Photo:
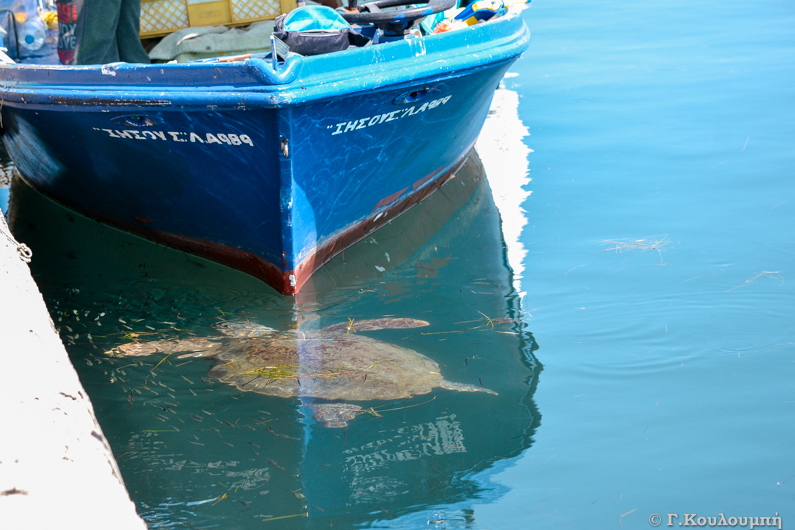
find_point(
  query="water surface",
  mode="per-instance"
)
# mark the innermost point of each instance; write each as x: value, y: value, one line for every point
x: 669, y: 362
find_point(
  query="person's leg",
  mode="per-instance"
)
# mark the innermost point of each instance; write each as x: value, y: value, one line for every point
x: 128, y: 33
x: 96, y: 43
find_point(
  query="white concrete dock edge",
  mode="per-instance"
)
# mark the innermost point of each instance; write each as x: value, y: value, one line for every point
x: 56, y: 468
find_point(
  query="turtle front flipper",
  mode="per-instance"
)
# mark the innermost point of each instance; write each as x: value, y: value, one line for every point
x: 460, y: 387
x: 334, y: 415
x: 243, y: 329
x: 200, y: 347
x: 375, y: 324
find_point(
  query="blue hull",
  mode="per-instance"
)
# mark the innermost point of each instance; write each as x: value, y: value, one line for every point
x: 270, y: 172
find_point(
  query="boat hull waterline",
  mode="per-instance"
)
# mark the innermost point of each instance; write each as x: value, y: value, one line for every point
x: 272, y: 172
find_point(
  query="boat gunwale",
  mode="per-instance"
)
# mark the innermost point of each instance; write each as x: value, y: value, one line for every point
x: 65, y: 100
x: 317, y: 77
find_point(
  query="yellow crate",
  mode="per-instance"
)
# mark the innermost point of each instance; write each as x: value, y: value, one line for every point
x: 160, y: 17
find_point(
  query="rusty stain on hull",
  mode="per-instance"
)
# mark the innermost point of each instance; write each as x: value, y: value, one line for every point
x: 286, y: 282
x: 70, y: 100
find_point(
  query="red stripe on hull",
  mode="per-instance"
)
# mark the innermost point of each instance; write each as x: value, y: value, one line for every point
x: 286, y: 282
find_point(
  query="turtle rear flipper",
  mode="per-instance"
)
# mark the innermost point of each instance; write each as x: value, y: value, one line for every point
x: 375, y: 324
x: 334, y: 415
x: 460, y: 387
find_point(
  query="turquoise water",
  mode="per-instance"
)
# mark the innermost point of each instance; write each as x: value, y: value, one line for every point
x: 667, y: 383
x: 655, y: 289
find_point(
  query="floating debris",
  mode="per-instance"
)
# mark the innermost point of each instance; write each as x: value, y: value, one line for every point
x: 773, y: 275
x: 222, y: 497
x: 620, y: 245
x: 270, y: 518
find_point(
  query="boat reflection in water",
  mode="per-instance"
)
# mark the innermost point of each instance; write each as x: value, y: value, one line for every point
x: 193, y: 450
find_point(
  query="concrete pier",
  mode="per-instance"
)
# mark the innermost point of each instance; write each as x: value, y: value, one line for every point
x: 56, y: 467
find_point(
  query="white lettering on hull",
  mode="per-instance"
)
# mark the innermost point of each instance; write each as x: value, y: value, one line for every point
x: 355, y: 125
x: 172, y: 136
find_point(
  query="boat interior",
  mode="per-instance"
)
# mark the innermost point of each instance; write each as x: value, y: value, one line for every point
x: 178, y: 31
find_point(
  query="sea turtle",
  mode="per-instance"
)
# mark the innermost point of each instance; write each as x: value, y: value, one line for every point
x: 334, y: 364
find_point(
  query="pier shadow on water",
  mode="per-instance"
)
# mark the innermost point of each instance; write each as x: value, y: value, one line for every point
x: 195, y: 452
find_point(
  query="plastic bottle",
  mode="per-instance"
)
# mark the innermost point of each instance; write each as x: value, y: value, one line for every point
x: 32, y: 33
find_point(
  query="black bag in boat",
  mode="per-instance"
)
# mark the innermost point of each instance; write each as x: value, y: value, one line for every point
x: 315, y: 30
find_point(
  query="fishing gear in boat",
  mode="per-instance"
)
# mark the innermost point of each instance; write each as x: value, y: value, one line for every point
x: 396, y: 23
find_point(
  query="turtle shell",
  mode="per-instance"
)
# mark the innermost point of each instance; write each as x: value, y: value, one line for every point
x: 333, y: 367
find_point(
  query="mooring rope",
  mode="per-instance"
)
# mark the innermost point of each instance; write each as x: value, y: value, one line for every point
x: 25, y: 254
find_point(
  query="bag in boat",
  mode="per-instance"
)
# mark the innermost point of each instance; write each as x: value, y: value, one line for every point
x: 315, y: 30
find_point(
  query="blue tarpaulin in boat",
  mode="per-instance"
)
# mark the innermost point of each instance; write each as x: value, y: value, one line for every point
x: 317, y: 30
x: 314, y: 18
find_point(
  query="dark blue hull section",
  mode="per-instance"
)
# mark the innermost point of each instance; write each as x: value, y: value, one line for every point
x: 273, y: 176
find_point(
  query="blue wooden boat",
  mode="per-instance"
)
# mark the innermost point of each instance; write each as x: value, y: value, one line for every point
x: 271, y: 167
